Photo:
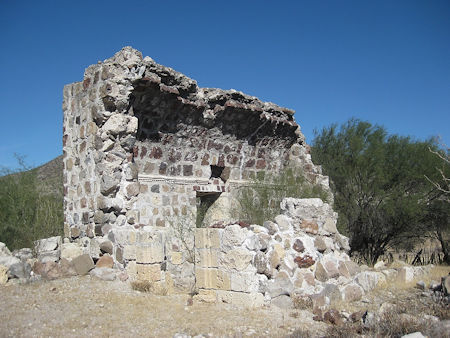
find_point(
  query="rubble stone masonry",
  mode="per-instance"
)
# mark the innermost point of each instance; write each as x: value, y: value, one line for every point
x: 144, y: 147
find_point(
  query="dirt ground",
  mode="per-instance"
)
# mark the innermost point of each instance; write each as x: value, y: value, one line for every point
x: 86, y: 307
x: 81, y: 306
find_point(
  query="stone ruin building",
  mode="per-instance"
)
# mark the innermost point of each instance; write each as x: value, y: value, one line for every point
x: 145, y: 148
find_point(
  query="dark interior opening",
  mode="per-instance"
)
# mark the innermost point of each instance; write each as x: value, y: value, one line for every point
x: 216, y: 171
x: 204, y: 202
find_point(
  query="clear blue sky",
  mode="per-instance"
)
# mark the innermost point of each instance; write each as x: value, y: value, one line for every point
x: 387, y: 62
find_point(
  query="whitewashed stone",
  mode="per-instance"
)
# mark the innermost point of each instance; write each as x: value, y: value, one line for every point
x: 330, y: 226
x: 245, y: 282
x: 236, y: 259
x: 48, y: 244
x: 233, y: 235
x: 8, y: 260
x: 4, y: 251
x: 406, y: 274
x: 280, y: 285
x: 106, y: 274
x: 284, y: 223
x: 70, y: 250
x: 368, y: 280
x: 352, y: 292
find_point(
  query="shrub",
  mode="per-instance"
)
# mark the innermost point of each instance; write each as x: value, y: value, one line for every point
x: 260, y: 200
x: 25, y: 214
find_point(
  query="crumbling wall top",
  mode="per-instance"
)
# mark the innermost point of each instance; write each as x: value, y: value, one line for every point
x: 128, y: 67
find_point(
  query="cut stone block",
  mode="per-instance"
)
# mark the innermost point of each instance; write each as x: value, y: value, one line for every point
x: 150, y: 253
x: 207, y: 238
x: 148, y: 272
x: 212, y: 279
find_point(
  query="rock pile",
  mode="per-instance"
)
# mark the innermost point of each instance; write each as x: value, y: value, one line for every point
x: 299, y: 256
x: 54, y: 259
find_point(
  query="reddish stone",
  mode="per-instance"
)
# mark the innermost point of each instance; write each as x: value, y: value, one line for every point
x: 135, y: 151
x: 156, y: 153
x: 243, y: 224
x: 106, y: 261
x: 221, y: 161
x: 304, y: 262
x: 226, y: 149
x: 174, y: 156
x: 232, y: 159
x: 205, y: 159
x: 250, y: 163
x: 86, y: 83
x: 260, y: 164
x: 143, y: 152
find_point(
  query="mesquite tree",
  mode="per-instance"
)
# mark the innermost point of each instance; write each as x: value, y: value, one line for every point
x: 379, y: 184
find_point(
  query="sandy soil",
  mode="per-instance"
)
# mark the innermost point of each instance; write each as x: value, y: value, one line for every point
x: 81, y: 306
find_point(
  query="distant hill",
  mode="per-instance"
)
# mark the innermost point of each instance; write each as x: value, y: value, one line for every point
x: 50, y: 177
x: 31, y: 204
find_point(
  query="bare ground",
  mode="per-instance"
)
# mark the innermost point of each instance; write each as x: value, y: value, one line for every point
x: 81, y: 306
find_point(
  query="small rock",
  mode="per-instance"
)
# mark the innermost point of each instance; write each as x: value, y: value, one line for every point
x: 283, y: 302
x: 83, y: 264
x: 47, y: 270
x: 280, y: 285
x: 20, y: 270
x: 106, y: 274
x: 298, y: 245
x: 9, y: 260
x: 320, y: 273
x: 357, y: 316
x: 106, y: 261
x: 420, y: 285
x: 304, y: 262
x: 309, y: 226
x: 4, y: 251
x: 48, y: 244
x: 333, y: 317
x: 414, y: 335
x: 123, y: 276
x: 271, y: 227
x: 67, y: 268
x: 330, y: 226
x: 284, y: 223
x: 320, y: 244
x: 71, y: 250
x: 379, y: 265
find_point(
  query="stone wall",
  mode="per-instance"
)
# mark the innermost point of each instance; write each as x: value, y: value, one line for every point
x: 300, y: 253
x: 144, y: 147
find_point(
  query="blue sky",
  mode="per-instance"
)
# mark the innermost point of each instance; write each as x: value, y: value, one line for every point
x: 387, y: 62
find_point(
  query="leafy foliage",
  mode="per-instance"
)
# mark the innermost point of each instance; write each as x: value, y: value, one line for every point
x: 25, y: 214
x: 260, y: 200
x: 378, y: 181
